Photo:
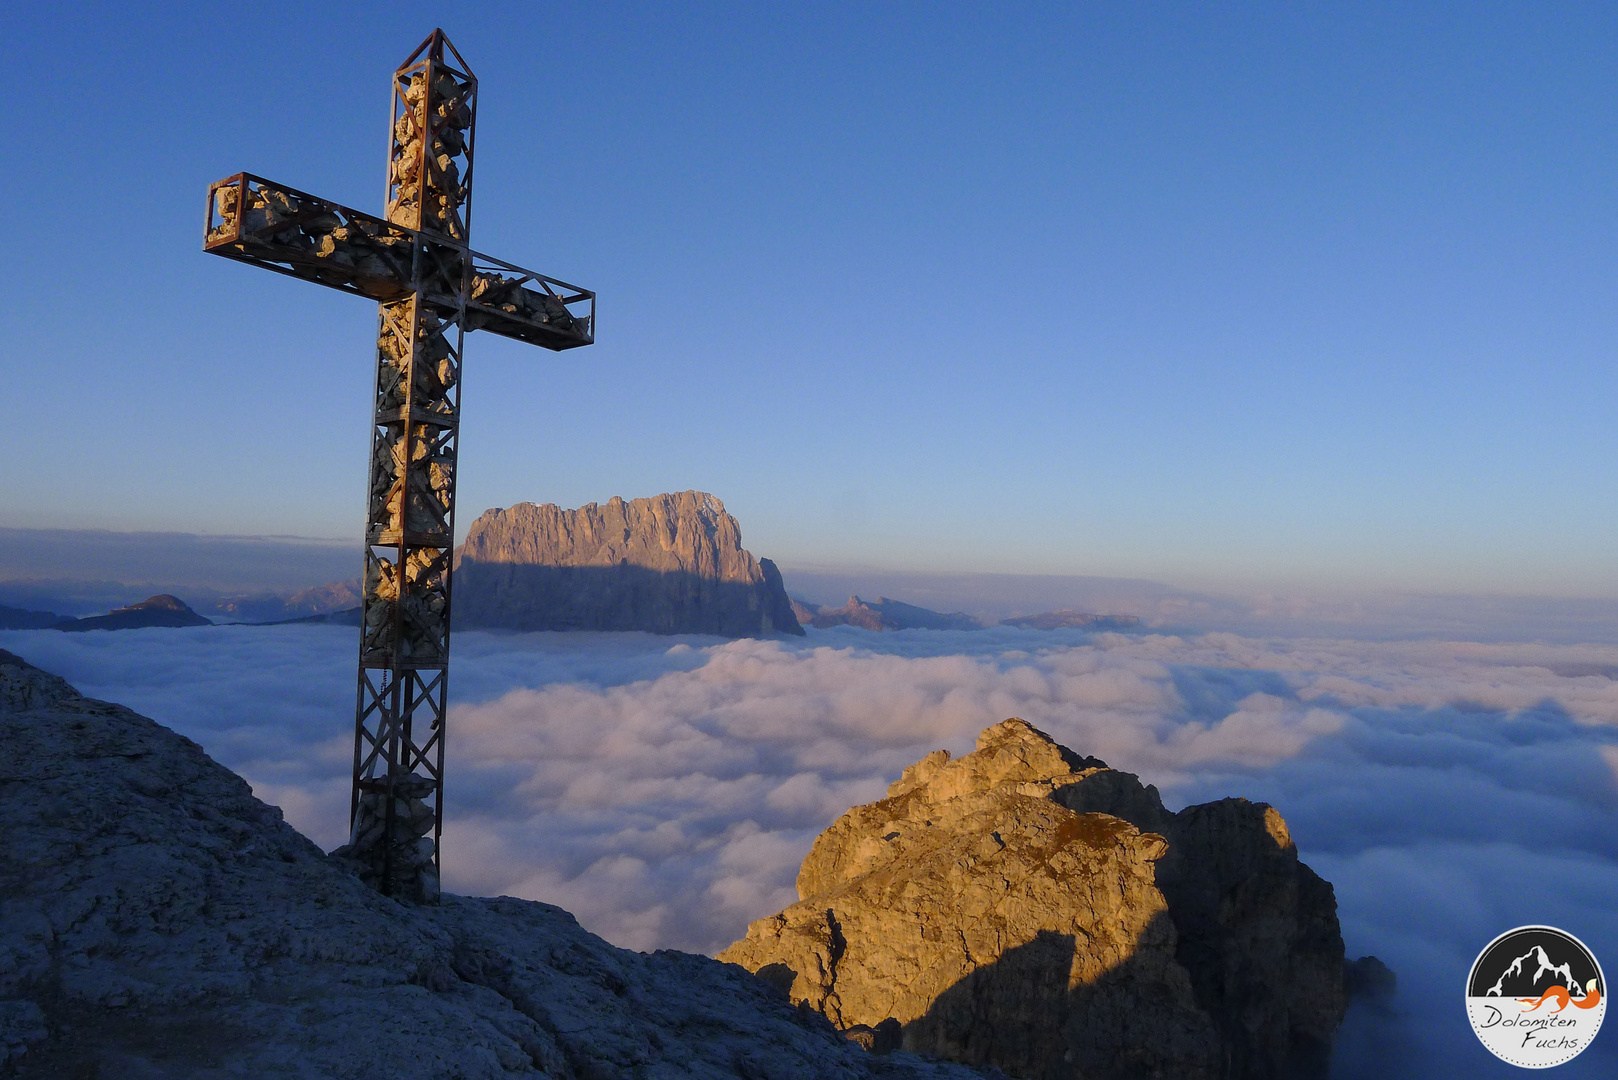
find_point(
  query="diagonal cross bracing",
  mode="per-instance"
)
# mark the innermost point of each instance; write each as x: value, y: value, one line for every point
x: 431, y: 289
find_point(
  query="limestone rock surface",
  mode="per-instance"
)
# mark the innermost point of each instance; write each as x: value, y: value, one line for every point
x: 1031, y: 909
x: 156, y: 920
x: 669, y: 564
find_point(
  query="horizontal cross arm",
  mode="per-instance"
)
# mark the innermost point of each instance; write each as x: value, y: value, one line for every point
x: 507, y: 300
x: 255, y: 221
x: 279, y: 228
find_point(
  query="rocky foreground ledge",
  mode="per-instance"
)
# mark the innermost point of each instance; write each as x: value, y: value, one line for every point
x: 1028, y: 908
x: 156, y: 920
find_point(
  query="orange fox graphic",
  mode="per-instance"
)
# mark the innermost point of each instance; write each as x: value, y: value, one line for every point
x: 1559, y: 994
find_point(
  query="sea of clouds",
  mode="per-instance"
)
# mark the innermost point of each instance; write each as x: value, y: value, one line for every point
x: 665, y: 789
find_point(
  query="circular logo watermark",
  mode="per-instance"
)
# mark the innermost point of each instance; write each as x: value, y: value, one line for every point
x: 1536, y: 996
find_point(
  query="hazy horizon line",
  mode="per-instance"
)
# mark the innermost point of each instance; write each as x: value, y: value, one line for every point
x: 32, y: 565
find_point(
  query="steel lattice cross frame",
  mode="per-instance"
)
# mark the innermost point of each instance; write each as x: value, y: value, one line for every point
x: 432, y: 288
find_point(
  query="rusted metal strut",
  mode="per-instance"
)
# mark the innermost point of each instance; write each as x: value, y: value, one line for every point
x: 432, y: 288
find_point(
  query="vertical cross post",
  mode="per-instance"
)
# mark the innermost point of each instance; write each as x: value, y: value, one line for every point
x: 396, y: 807
x: 432, y: 288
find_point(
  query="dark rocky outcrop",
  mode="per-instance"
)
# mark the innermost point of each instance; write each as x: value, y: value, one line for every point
x: 884, y: 614
x: 159, y: 610
x: 1368, y: 979
x: 670, y: 564
x: 156, y: 920
x: 1028, y: 908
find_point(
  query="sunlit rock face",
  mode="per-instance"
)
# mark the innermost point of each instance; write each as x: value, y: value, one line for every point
x: 669, y: 564
x: 157, y: 920
x: 1032, y: 909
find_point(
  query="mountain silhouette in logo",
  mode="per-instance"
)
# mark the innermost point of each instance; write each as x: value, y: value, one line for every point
x: 1515, y: 980
x: 1527, y: 963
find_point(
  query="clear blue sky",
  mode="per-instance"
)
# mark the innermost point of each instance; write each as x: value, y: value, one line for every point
x: 1211, y: 294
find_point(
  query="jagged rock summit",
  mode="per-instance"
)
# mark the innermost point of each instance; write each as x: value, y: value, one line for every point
x: 1031, y: 909
x: 156, y: 920
x: 669, y: 564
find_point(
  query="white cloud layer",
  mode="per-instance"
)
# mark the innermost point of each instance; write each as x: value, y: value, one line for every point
x: 665, y: 789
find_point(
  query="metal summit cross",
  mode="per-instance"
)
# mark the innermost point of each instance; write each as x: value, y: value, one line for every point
x: 432, y: 288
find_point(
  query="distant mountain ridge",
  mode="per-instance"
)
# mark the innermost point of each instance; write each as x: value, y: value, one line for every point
x: 75, y: 572
x: 667, y: 564
x: 154, y: 611
x: 15, y: 618
x: 159, y: 610
x: 38, y: 604
x: 884, y: 613
x: 1067, y: 618
x: 303, y: 605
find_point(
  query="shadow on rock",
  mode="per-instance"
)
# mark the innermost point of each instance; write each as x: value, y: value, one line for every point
x: 1023, y: 1014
